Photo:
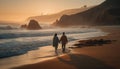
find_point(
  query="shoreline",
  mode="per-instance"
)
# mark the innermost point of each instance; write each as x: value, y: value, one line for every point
x: 94, y: 57
x: 19, y: 46
x: 107, y: 53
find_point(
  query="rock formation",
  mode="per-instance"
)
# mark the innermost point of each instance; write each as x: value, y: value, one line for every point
x: 23, y: 26
x: 33, y: 25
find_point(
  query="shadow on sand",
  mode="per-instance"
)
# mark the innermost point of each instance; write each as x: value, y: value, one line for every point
x: 58, y: 53
x: 84, y: 62
x: 78, y: 61
x: 95, y: 42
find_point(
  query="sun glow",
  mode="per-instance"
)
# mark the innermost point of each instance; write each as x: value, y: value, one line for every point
x: 20, y: 10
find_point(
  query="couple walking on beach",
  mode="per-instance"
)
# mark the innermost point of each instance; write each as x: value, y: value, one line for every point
x: 63, y: 41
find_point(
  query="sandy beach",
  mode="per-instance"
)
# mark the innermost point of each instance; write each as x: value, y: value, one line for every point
x: 105, y: 56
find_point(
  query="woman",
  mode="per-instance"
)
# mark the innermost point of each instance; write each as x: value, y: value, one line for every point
x: 55, y: 42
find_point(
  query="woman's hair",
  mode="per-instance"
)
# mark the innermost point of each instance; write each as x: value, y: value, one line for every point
x: 55, y: 34
x: 63, y: 33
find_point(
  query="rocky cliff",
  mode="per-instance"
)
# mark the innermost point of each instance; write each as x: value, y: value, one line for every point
x: 52, y: 17
x: 107, y: 13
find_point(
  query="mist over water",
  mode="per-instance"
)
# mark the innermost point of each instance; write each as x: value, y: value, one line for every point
x: 17, y: 41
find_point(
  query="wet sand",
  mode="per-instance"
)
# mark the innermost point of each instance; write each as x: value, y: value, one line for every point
x: 105, y: 56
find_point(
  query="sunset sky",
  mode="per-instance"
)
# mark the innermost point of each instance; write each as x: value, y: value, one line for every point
x: 19, y: 10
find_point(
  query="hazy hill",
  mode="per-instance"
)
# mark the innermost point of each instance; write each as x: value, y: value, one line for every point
x: 9, y: 23
x: 51, y: 18
x: 107, y: 13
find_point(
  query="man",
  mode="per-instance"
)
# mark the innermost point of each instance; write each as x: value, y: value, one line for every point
x: 64, y: 41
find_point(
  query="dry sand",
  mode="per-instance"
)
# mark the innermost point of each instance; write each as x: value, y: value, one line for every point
x: 94, y: 57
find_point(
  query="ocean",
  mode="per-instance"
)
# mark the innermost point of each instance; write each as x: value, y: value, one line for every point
x: 19, y: 41
x: 20, y: 46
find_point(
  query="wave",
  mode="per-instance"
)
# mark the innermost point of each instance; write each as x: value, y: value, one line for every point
x: 21, y: 41
x: 26, y: 33
x: 7, y: 27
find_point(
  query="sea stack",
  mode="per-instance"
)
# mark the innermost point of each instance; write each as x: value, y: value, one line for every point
x: 23, y: 26
x: 33, y: 25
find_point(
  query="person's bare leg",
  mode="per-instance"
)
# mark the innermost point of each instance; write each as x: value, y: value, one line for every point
x: 64, y: 47
x: 56, y: 49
